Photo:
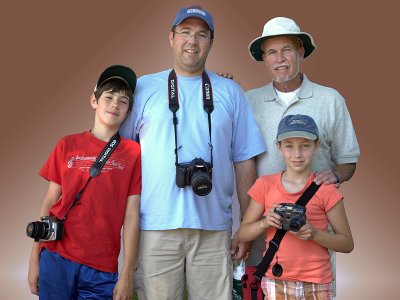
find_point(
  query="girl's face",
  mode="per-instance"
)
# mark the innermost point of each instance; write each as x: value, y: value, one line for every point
x: 298, y: 153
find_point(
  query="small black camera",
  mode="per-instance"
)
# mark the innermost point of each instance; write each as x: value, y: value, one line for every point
x: 197, y: 173
x: 49, y: 229
x: 293, y: 216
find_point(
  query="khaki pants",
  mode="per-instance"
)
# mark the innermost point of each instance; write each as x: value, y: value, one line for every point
x: 169, y: 259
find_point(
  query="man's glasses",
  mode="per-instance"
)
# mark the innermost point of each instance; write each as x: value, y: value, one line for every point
x: 187, y: 35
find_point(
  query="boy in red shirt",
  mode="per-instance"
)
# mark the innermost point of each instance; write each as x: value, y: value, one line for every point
x: 303, y: 255
x: 84, y: 262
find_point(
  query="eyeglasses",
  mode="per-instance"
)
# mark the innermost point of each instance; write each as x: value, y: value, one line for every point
x: 187, y: 35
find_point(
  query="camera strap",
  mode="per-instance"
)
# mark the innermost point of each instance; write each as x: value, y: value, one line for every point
x: 174, y: 106
x: 274, y: 243
x: 97, y: 166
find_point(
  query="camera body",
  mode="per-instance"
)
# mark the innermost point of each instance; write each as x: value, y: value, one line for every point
x: 49, y: 229
x: 197, y: 174
x: 293, y: 216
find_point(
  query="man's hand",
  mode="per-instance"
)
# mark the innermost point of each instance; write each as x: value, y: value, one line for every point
x: 225, y: 75
x: 240, y: 250
x: 327, y: 177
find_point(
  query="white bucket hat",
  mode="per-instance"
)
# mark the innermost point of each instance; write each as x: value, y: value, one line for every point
x: 281, y: 26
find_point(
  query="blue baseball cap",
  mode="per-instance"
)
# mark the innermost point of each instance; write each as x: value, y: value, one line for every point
x: 194, y: 12
x: 297, y: 126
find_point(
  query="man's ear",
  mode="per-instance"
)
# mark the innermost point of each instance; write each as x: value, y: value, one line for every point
x: 171, y: 38
x: 93, y: 101
x: 302, y: 51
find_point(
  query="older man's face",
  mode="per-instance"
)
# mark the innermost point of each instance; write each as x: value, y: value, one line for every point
x: 282, y: 57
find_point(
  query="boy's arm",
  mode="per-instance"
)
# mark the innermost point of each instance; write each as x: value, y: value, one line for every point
x: 340, y: 241
x: 52, y: 195
x: 124, y: 287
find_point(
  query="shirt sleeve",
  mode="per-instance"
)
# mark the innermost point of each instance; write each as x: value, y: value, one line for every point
x: 257, y: 192
x: 135, y: 187
x: 51, y: 170
x: 329, y: 196
x: 247, y: 139
x: 345, y: 148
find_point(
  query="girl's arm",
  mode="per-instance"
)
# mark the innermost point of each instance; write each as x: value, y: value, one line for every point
x: 251, y: 226
x: 340, y: 241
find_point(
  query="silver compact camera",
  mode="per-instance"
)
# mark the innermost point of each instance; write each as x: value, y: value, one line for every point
x: 293, y: 216
x: 48, y: 229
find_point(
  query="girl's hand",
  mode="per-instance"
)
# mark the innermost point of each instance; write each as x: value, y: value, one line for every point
x: 272, y: 218
x: 307, y: 232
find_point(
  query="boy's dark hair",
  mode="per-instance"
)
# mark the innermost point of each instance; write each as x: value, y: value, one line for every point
x: 115, y: 85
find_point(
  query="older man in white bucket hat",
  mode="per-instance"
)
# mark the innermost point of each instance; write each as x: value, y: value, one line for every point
x: 283, y: 46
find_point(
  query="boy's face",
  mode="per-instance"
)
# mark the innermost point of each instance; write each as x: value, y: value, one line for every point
x: 111, y: 108
x: 298, y: 153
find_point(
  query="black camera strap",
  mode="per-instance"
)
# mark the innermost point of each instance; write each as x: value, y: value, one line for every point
x: 174, y: 106
x: 97, y: 166
x: 274, y: 243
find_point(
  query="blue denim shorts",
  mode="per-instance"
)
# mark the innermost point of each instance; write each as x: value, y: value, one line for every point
x: 63, y: 279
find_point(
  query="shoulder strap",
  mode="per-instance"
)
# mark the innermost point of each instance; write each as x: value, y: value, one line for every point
x: 97, y: 166
x: 274, y: 243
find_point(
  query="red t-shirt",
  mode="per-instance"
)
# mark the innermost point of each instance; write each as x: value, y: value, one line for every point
x: 301, y: 260
x: 93, y: 225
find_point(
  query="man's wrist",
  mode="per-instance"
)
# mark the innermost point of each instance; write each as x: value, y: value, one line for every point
x: 337, y: 177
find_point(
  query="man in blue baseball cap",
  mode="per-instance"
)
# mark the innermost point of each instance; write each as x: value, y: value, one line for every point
x: 198, y: 136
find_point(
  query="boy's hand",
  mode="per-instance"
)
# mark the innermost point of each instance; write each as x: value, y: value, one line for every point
x: 123, y: 289
x: 33, y: 276
x: 307, y: 232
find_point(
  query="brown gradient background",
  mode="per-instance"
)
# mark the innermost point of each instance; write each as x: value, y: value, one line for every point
x: 53, y: 51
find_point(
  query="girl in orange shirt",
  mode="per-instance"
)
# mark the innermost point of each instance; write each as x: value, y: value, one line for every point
x: 303, y: 255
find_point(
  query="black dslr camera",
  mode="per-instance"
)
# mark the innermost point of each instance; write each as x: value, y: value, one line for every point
x: 50, y: 229
x: 293, y: 216
x: 197, y: 173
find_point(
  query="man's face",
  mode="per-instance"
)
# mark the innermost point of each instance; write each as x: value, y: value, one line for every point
x: 282, y: 57
x: 190, y: 44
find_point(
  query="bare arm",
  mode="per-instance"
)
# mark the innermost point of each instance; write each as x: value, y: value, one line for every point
x: 340, y: 241
x: 343, y: 172
x: 245, y: 173
x: 52, y: 195
x: 124, y: 288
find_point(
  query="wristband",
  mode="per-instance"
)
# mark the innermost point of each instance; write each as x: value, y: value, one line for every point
x: 337, y: 177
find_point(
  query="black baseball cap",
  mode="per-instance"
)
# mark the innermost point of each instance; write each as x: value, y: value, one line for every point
x: 121, y: 72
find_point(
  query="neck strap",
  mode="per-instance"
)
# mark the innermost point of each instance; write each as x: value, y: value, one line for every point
x: 173, y: 101
x: 97, y: 166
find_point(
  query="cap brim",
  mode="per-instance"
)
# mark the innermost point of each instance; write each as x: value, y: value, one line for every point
x: 297, y: 134
x: 256, y: 52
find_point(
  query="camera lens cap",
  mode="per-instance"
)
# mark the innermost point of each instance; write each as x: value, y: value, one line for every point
x: 277, y: 270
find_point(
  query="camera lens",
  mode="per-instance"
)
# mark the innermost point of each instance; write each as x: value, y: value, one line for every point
x: 37, y: 230
x: 295, y: 225
x: 201, y: 183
